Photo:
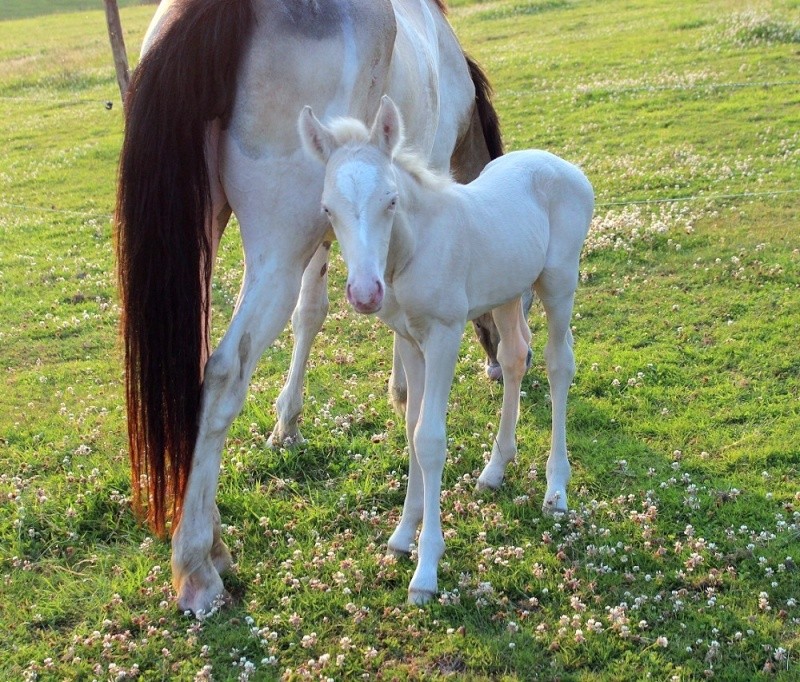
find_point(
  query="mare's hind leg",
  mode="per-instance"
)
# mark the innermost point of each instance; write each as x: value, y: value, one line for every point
x: 264, y: 306
x: 489, y: 336
x: 398, y: 382
x: 307, y: 319
x: 512, y: 353
x: 556, y: 289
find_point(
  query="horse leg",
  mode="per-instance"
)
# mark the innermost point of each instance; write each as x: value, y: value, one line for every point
x: 261, y: 313
x: 512, y: 353
x: 398, y: 382
x: 440, y: 350
x: 487, y: 334
x: 307, y: 319
x: 410, y: 357
x: 556, y: 289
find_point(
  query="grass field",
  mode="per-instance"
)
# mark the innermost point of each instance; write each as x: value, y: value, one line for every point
x: 679, y: 559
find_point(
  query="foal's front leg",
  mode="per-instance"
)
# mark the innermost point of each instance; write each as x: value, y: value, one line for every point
x: 307, y: 319
x: 440, y: 350
x: 410, y: 357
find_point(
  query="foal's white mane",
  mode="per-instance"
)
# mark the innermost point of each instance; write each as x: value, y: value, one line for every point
x: 350, y: 132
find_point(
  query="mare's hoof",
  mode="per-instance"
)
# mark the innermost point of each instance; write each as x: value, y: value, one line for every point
x: 494, y: 371
x: 398, y: 400
x: 202, y: 600
x: 221, y: 558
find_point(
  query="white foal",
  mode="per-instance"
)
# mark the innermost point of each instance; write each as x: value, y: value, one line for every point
x: 428, y: 254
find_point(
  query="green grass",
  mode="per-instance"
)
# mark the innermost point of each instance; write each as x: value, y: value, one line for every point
x: 680, y: 558
x: 21, y: 9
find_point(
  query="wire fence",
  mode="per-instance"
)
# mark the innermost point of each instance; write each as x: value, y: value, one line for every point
x: 579, y: 90
x: 109, y: 104
x: 710, y: 198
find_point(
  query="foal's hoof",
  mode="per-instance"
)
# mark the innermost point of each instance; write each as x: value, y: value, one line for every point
x: 277, y: 439
x: 400, y: 543
x: 420, y: 597
x: 555, y: 503
x: 494, y: 371
x: 399, y: 552
x: 490, y: 479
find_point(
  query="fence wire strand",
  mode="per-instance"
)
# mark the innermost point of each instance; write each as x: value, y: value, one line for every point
x: 109, y: 104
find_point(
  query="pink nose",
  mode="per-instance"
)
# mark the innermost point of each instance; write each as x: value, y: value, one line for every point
x: 367, y: 298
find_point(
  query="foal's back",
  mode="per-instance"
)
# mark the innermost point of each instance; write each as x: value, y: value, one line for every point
x: 528, y: 210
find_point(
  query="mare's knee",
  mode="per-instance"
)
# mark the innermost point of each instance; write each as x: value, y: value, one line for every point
x: 224, y: 385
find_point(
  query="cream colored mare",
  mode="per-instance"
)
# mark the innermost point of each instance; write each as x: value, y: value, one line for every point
x: 427, y: 255
x: 340, y: 56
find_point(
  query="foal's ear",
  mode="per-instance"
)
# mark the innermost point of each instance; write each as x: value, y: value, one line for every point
x: 387, y: 131
x: 316, y: 138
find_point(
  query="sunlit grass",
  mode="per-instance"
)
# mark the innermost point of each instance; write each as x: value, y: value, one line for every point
x: 679, y: 558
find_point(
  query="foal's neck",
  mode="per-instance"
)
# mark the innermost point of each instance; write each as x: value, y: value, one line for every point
x: 417, y: 205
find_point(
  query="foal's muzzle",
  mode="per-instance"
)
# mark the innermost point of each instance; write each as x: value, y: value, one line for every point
x: 366, y: 298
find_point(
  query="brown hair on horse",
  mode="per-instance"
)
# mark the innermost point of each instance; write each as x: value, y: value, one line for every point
x: 174, y: 93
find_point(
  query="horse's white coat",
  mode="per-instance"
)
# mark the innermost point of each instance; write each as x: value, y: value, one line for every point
x: 359, y: 182
x: 448, y: 254
x: 347, y: 82
x: 340, y: 62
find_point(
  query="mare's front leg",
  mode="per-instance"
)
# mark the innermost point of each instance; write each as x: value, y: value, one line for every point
x: 268, y: 295
x: 513, y: 356
x: 440, y: 351
x: 307, y: 319
x: 556, y: 289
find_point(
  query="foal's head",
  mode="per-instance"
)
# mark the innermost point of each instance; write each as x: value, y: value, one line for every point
x: 360, y: 193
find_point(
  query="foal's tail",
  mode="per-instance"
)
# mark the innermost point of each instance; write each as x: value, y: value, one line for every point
x: 185, y: 80
x: 490, y: 124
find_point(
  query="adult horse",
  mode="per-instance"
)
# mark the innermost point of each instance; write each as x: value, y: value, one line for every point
x: 211, y: 130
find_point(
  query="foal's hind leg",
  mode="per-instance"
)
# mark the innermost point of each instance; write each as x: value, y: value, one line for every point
x: 307, y: 319
x: 512, y: 353
x: 556, y: 289
x: 264, y: 306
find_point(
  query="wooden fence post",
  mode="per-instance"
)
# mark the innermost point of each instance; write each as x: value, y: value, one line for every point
x: 118, y: 47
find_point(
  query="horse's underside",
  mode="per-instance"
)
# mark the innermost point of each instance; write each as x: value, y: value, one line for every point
x: 211, y: 128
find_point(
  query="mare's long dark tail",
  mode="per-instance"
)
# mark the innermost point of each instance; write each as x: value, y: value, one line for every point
x: 490, y: 124
x: 185, y: 80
